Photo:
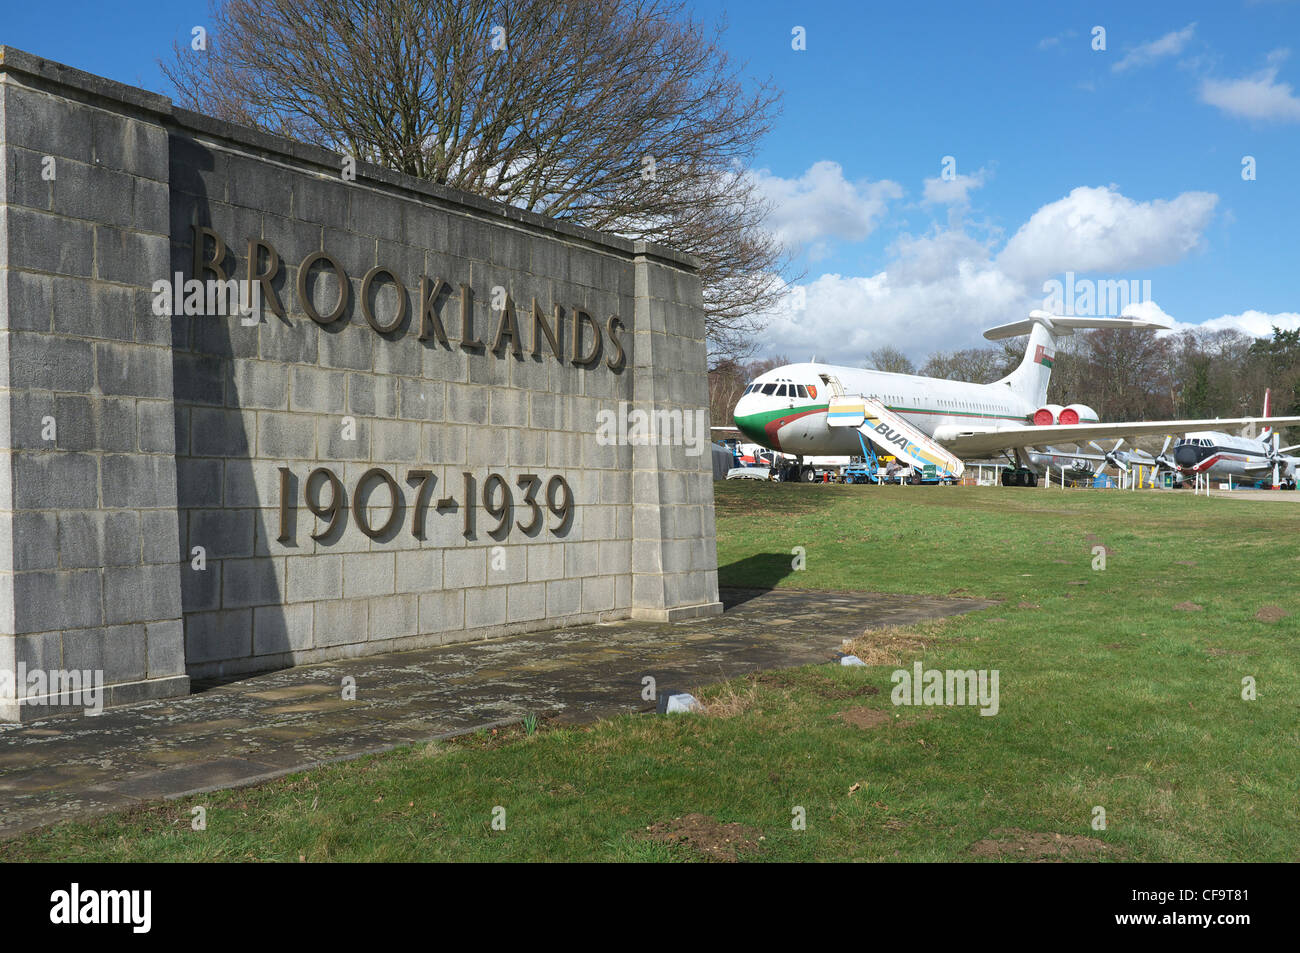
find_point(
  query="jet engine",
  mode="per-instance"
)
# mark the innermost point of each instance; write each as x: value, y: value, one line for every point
x: 1047, y: 415
x: 1077, y: 414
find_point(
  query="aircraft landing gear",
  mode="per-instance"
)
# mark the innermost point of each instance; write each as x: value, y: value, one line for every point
x: 1020, y: 476
x: 807, y: 475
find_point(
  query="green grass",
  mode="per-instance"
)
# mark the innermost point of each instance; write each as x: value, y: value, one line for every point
x: 1109, y: 697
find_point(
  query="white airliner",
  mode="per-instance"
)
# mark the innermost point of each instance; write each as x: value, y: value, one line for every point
x: 1243, y: 459
x: 822, y: 409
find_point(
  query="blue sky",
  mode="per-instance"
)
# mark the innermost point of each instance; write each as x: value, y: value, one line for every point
x: 1115, y: 164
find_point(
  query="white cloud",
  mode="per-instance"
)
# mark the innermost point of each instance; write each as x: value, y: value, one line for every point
x: 1259, y: 96
x: 1258, y: 324
x: 1148, y: 311
x: 845, y: 318
x: 1171, y: 44
x: 1050, y: 42
x: 954, y: 191
x: 822, y: 204
x: 1098, y: 229
x: 941, y: 291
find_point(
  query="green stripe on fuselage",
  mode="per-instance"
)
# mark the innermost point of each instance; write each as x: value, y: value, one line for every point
x: 754, y: 426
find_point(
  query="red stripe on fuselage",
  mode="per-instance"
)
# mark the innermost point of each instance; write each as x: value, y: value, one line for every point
x: 772, y: 427
x: 1211, y: 461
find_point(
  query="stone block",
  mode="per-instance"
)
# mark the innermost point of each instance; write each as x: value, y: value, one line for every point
x: 142, y: 593
x: 279, y: 629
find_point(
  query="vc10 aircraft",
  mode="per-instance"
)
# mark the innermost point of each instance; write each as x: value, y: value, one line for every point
x: 821, y: 409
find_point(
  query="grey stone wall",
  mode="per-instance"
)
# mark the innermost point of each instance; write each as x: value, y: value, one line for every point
x: 88, y: 551
x: 147, y: 540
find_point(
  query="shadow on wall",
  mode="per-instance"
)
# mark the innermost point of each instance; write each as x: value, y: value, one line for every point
x: 230, y: 588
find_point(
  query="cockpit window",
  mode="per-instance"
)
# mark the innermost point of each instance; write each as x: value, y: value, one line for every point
x: 769, y: 388
x: 803, y: 392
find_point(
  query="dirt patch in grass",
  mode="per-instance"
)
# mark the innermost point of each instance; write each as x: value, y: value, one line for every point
x: 1040, y: 846
x: 837, y: 692
x: 865, y: 717
x: 705, y: 835
x: 1188, y: 607
x: 1092, y: 540
x: 1270, y: 614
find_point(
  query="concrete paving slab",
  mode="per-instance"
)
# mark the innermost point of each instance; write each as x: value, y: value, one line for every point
x: 277, y: 723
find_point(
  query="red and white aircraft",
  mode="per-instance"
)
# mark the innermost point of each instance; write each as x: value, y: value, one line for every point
x: 1241, y: 458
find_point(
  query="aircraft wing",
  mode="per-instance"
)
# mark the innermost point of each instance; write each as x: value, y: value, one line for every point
x: 1011, y: 438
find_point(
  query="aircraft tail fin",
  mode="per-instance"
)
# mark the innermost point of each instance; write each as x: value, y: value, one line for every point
x: 1029, y: 380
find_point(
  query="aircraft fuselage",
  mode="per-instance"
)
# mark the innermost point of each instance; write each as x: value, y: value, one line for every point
x: 785, y: 408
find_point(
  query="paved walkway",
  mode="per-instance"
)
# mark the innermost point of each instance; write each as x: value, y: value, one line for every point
x: 273, y: 724
x: 1257, y: 496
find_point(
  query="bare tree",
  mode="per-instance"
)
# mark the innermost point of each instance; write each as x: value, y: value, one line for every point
x: 726, y: 383
x: 1128, y: 374
x: 890, y: 359
x: 622, y: 115
x: 978, y: 364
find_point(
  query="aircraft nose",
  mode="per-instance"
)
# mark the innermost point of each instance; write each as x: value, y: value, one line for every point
x: 746, y: 419
x: 1187, y: 456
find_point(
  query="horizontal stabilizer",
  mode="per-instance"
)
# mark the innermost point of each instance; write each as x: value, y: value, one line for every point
x: 1061, y: 325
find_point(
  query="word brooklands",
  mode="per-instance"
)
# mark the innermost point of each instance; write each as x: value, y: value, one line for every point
x: 951, y: 687
x: 571, y: 335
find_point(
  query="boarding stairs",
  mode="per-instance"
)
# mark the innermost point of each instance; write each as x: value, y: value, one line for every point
x: 892, y: 434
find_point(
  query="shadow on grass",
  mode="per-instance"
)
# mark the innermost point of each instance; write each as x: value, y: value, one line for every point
x: 761, y: 571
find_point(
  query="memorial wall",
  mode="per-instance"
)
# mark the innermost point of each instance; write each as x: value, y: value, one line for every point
x: 264, y: 405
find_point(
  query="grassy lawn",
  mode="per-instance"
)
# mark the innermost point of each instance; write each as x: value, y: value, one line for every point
x: 1114, y: 693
